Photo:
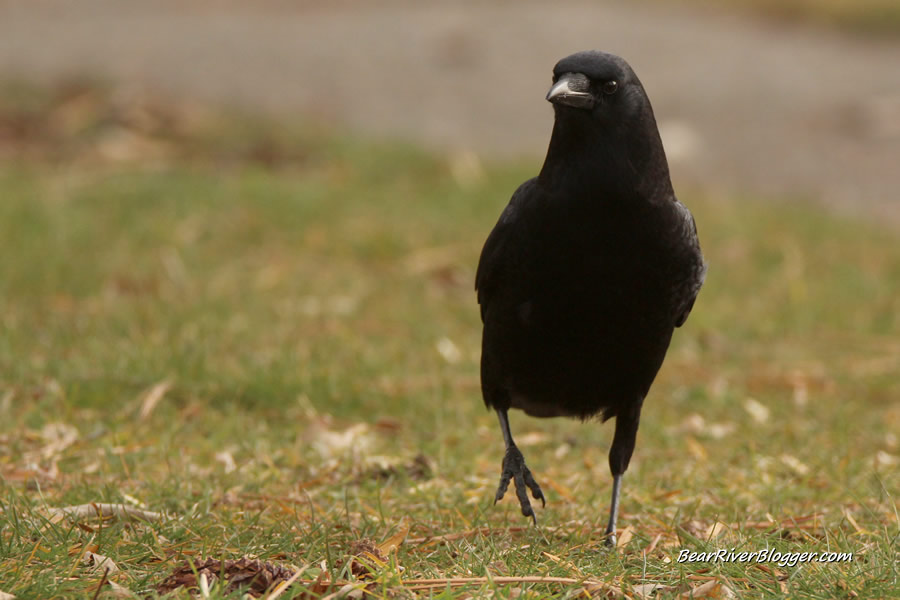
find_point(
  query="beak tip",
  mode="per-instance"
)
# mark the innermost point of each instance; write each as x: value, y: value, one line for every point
x: 570, y: 89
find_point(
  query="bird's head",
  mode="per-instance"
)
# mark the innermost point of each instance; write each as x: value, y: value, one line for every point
x: 604, y: 128
x: 597, y: 84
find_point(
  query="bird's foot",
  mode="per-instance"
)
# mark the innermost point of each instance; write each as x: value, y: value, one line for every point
x: 514, y: 468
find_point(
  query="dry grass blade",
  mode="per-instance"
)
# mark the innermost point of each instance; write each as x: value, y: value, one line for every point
x: 561, y: 561
x: 152, y: 398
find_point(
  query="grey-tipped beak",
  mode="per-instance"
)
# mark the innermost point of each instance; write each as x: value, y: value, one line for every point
x: 572, y: 89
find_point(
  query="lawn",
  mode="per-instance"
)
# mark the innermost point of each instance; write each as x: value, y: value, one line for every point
x: 263, y: 340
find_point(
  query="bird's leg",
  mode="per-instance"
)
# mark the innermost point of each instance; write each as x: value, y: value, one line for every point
x: 619, y: 457
x: 613, y: 511
x: 514, y: 468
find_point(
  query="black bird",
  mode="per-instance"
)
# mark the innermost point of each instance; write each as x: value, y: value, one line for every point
x: 590, y: 268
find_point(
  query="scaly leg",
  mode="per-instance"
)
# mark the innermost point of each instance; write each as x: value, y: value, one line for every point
x: 619, y: 457
x: 514, y: 468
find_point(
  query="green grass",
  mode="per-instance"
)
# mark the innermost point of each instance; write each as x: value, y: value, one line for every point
x: 285, y: 304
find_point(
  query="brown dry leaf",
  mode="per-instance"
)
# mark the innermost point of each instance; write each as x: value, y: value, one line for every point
x: 283, y: 587
x: 388, y: 425
x: 695, y: 528
x: 392, y: 543
x: 99, y: 563
x: 597, y: 589
x: 364, y: 554
x: 355, y: 440
x: 695, y: 448
x: 794, y: 463
x: 652, y: 545
x: 532, y: 438
x: 645, y: 590
x: 254, y: 577
x: 119, y: 591
x: 152, y: 398
x: 757, y: 410
x: 709, y: 589
x: 58, y: 437
x: 625, y: 537
x: 715, y: 530
x: 227, y: 459
x: 5, y: 596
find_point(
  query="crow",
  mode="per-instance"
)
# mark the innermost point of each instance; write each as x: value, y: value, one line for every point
x: 590, y: 268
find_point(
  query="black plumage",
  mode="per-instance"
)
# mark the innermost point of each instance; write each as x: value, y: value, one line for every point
x: 588, y: 271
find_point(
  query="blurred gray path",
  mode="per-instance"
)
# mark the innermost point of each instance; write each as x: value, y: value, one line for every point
x: 746, y: 105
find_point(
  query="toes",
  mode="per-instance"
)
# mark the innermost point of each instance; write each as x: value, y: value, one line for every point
x: 522, y: 495
x: 536, y: 492
x: 505, y: 477
x: 514, y: 469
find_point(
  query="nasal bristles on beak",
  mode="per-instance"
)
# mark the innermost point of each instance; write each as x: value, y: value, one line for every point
x: 571, y: 89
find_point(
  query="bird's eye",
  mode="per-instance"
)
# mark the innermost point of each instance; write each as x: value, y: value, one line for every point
x: 610, y: 87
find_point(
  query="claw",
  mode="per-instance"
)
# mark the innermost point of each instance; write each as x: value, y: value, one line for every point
x: 514, y: 469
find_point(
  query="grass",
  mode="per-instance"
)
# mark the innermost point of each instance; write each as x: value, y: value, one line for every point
x: 878, y: 17
x: 282, y: 357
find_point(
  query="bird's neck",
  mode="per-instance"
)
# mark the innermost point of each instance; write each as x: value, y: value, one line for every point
x: 613, y: 165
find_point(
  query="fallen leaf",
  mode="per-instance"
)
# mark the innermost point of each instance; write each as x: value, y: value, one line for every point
x: 119, y: 591
x: 253, y: 577
x: 884, y: 459
x: 364, y: 554
x: 715, y: 530
x: 757, y: 411
x: 795, y: 465
x: 98, y: 562
x: 695, y: 448
x: 625, y: 537
x: 532, y: 438
x: 356, y: 439
x: 709, y: 589
x: 58, y: 437
x: 645, y: 590
x: 227, y: 460
x: 392, y: 543
x: 84, y: 511
x: 448, y: 350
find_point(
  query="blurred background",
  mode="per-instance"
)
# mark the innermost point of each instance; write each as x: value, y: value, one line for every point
x: 237, y: 251
x: 797, y: 98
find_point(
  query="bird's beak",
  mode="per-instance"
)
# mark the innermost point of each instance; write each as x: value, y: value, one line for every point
x: 572, y: 89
